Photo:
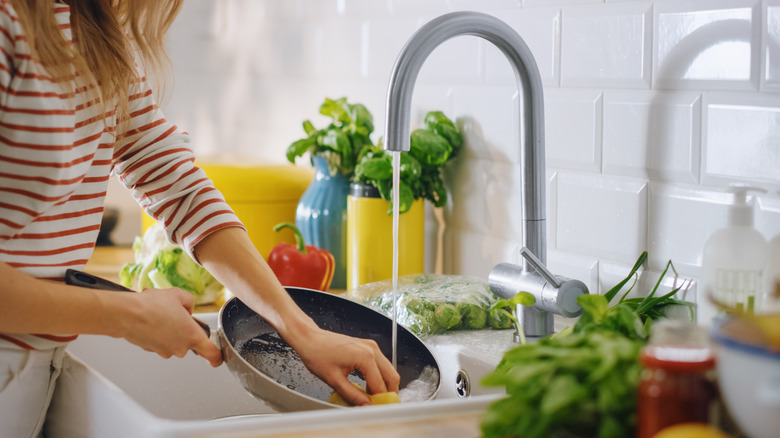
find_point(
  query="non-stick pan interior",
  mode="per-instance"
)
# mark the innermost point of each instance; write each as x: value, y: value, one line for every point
x: 259, y: 344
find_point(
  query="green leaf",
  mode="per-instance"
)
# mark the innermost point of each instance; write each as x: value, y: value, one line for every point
x: 410, y: 167
x: 336, y: 110
x: 648, y: 299
x: 300, y: 147
x: 374, y: 169
x: 361, y: 117
x: 429, y: 148
x: 594, y: 305
x: 308, y: 128
x: 639, y: 262
x: 563, y: 391
x: 523, y: 299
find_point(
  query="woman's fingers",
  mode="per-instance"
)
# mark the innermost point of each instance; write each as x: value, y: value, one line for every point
x: 375, y: 383
x: 379, y: 372
x: 207, y: 350
x: 349, y: 392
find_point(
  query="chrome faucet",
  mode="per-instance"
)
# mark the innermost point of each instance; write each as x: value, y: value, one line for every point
x: 554, y: 294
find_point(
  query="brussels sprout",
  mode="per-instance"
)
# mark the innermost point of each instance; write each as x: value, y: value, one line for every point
x: 447, y: 315
x: 473, y: 316
x: 415, y: 306
x: 500, y: 319
x: 423, y: 323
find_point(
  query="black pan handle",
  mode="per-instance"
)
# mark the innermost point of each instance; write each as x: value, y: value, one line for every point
x: 82, y: 279
x: 74, y: 277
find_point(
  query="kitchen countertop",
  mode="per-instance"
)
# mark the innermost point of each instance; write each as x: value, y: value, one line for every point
x: 460, y: 425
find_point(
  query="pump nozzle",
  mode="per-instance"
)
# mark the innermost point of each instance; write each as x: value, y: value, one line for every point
x: 741, y: 212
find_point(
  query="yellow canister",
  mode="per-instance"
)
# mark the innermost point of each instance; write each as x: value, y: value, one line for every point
x: 370, y: 237
x: 261, y: 196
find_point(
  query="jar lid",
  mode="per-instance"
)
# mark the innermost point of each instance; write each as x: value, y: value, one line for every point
x: 363, y: 190
x: 677, y: 345
x: 678, y: 358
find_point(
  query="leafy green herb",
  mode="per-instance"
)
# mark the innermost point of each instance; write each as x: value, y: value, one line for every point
x: 346, y: 145
x: 430, y: 149
x: 506, y: 310
x: 582, y: 381
x: 342, y: 141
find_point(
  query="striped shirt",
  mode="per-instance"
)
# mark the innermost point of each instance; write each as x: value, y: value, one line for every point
x: 57, y: 152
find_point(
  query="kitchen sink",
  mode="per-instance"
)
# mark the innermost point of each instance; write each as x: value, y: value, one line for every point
x: 113, y: 388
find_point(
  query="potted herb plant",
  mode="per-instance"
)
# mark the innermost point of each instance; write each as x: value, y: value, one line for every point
x: 334, y: 149
x: 343, y: 152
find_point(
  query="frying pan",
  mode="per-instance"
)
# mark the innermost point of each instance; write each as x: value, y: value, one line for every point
x: 272, y: 371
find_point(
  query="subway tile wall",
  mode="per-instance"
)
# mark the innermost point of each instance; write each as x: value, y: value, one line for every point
x: 653, y: 108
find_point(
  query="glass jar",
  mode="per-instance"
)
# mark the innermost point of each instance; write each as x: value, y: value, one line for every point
x: 678, y: 380
x: 370, y: 237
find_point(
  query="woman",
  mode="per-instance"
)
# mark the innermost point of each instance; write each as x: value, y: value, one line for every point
x: 75, y: 108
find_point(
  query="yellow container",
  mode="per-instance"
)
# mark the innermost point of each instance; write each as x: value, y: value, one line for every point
x: 261, y: 196
x: 370, y: 239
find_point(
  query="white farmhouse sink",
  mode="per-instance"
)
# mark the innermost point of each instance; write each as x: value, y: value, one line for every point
x: 113, y: 388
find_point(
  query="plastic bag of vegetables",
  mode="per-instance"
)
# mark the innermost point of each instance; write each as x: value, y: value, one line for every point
x: 160, y: 264
x: 431, y: 304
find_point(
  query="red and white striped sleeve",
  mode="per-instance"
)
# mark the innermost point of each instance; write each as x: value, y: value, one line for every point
x: 154, y: 160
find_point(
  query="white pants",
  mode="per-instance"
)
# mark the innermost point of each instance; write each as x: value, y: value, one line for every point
x: 27, y: 380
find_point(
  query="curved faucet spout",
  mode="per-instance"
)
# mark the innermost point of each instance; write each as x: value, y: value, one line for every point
x: 399, y: 102
x: 531, y: 114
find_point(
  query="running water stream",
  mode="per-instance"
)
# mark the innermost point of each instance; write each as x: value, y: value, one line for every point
x: 396, y: 203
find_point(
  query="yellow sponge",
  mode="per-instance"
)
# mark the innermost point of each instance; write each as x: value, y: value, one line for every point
x: 382, y: 398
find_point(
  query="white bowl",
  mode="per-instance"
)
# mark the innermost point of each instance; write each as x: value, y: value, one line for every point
x: 749, y: 379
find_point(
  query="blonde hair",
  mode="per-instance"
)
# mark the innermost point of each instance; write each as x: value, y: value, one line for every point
x: 109, y: 37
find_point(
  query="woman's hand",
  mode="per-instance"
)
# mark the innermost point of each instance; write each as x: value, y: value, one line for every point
x: 332, y: 357
x: 232, y: 258
x: 161, y: 322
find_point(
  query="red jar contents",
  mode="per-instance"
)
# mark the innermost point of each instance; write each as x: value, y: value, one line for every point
x: 678, y: 381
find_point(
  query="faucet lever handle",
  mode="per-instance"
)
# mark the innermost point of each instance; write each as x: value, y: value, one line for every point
x: 539, y: 266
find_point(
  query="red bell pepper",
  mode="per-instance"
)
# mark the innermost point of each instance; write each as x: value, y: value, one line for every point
x: 301, y: 265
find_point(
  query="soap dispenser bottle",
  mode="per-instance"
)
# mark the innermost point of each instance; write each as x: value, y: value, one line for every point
x: 733, y: 261
x: 770, y: 300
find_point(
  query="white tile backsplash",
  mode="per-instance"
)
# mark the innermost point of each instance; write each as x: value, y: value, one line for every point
x: 606, y: 46
x: 680, y: 220
x: 652, y: 134
x: 386, y: 37
x: 573, y: 128
x: 707, y: 44
x: 491, y: 121
x: 601, y: 216
x: 742, y: 139
x: 768, y: 214
x: 458, y: 59
x: 651, y: 107
x: 540, y: 28
x: 770, y: 39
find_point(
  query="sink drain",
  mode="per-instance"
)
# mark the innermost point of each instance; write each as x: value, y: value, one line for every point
x: 462, y: 386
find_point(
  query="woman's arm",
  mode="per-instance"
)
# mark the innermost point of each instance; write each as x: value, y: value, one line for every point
x: 231, y: 257
x: 158, y: 321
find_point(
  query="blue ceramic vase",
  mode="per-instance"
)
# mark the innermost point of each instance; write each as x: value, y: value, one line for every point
x: 322, y: 217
